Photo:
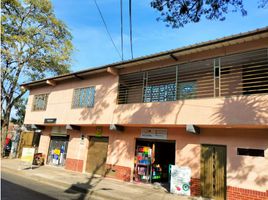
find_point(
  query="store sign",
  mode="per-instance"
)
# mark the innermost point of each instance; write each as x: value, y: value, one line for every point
x: 180, y: 180
x: 50, y: 120
x: 58, y: 131
x: 154, y: 133
x: 27, y: 154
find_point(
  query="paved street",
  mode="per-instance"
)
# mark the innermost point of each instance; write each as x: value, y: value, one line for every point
x: 48, y: 182
x: 15, y: 187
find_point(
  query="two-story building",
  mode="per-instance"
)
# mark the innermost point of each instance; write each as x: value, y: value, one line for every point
x: 203, y: 106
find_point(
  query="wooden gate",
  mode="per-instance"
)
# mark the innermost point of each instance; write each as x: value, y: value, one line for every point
x: 97, y: 155
x: 26, y: 140
x: 213, y: 172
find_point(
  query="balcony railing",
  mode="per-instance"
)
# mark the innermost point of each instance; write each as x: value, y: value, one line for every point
x: 238, y: 74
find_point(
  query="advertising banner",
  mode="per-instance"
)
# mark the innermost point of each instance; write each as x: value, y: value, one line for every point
x: 27, y: 154
x: 180, y: 180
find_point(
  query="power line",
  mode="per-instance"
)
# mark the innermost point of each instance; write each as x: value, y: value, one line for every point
x: 130, y: 28
x: 122, y: 38
x: 107, y: 29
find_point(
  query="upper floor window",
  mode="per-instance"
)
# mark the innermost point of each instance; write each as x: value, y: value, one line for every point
x: 40, y: 102
x: 160, y: 93
x: 83, y: 97
x: 187, y: 90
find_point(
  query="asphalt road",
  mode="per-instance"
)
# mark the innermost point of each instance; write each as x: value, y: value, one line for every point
x: 17, y: 187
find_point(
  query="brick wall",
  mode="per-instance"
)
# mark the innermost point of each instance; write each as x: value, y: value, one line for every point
x: 195, y: 187
x: 74, y: 164
x: 118, y: 172
x: 234, y: 193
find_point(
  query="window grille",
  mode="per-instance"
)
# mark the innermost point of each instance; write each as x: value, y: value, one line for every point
x: 83, y: 97
x: 40, y: 102
x: 238, y: 74
x: 245, y: 73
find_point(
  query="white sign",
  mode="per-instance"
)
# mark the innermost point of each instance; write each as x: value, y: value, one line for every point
x: 180, y: 180
x: 153, y: 133
x: 27, y: 154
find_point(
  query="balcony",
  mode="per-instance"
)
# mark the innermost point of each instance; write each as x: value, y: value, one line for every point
x: 238, y: 74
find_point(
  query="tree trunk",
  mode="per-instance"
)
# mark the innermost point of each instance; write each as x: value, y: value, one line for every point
x: 4, y: 127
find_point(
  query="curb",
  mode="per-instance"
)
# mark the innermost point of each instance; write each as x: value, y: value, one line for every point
x: 75, y: 188
x: 45, y: 180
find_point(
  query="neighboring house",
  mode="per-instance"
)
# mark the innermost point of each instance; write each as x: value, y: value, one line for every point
x: 203, y: 106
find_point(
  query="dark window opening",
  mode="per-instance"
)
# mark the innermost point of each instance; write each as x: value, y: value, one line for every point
x: 36, y: 139
x: 250, y: 152
x: 217, y: 72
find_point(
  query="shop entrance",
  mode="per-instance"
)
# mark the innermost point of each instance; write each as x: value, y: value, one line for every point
x: 57, y: 150
x: 152, y: 160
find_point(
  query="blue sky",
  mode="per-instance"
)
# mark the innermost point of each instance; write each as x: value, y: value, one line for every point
x: 93, y: 47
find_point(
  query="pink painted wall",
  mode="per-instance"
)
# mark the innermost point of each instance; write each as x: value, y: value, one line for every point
x: 60, y: 102
x: 207, y: 111
x: 242, y: 171
x: 44, y: 142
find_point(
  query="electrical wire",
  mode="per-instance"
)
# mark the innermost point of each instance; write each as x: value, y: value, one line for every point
x: 122, y: 38
x: 130, y: 28
x: 97, y: 6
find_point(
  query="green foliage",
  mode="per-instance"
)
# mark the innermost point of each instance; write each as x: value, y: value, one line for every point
x: 177, y: 13
x: 20, y: 108
x: 34, y: 44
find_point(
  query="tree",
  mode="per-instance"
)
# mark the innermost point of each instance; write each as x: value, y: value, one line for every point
x: 34, y: 44
x: 20, y: 109
x: 177, y: 13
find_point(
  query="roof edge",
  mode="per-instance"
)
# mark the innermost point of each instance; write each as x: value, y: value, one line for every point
x: 152, y: 56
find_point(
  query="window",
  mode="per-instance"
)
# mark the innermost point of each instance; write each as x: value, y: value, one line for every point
x: 250, y: 152
x: 187, y: 90
x: 84, y: 97
x: 160, y: 93
x: 40, y: 102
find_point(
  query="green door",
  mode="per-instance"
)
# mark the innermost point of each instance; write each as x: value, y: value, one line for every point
x: 213, y: 171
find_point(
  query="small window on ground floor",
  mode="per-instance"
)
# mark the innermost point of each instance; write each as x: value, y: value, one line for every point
x: 250, y: 152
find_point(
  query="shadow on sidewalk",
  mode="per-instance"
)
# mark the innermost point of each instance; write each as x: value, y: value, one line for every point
x: 86, y: 188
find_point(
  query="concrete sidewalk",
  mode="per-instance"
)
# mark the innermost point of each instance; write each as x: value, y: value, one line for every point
x: 90, y: 186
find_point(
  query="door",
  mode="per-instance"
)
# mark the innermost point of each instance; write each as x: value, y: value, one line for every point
x: 57, y: 150
x: 97, y: 155
x: 213, y: 171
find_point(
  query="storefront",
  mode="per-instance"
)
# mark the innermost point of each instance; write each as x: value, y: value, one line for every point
x: 154, y: 154
x: 58, y: 146
x: 153, y: 159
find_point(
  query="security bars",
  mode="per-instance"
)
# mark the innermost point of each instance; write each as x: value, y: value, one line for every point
x: 83, y: 97
x: 40, y: 102
x: 238, y: 74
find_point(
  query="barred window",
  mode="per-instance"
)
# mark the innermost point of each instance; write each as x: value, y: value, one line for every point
x: 159, y: 93
x: 40, y: 102
x: 83, y: 97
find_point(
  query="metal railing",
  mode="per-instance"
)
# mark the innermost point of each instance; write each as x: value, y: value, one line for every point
x: 238, y: 74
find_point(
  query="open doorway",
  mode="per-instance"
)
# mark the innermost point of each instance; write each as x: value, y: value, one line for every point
x: 152, y: 160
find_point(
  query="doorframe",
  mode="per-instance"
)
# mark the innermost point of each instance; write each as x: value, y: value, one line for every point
x: 152, y: 141
x: 225, y: 167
